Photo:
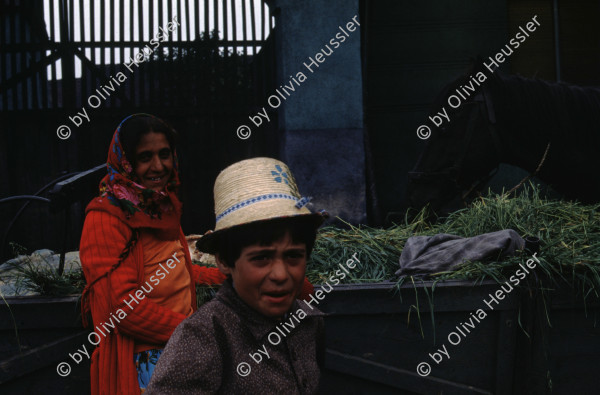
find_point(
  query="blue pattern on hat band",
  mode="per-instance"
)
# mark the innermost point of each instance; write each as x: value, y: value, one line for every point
x: 303, y: 202
x: 262, y: 198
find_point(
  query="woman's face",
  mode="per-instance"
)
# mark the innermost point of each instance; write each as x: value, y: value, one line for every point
x: 153, y: 161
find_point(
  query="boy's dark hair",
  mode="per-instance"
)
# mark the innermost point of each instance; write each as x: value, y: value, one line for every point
x: 302, y: 229
x: 134, y: 128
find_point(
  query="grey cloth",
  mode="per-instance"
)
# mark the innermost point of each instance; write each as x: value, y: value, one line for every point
x: 442, y: 252
x: 205, y: 352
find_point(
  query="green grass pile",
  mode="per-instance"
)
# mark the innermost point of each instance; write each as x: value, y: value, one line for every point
x: 569, y: 233
x: 36, y: 274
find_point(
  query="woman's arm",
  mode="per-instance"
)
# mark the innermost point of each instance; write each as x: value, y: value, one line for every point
x: 103, y: 239
x: 203, y: 275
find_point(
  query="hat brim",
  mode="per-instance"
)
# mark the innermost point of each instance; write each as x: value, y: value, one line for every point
x: 209, y: 242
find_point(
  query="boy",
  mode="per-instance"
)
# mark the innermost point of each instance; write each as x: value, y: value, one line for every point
x: 254, y: 337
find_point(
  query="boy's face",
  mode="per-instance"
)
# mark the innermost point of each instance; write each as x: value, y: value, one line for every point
x: 269, y: 278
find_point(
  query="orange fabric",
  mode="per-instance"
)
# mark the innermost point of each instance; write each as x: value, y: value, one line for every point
x: 103, y: 239
x: 165, y: 277
x: 166, y: 259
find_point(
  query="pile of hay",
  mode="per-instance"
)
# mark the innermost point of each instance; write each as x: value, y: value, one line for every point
x: 569, y: 234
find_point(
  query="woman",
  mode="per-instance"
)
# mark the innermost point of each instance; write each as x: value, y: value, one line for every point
x: 141, y: 283
x: 130, y: 230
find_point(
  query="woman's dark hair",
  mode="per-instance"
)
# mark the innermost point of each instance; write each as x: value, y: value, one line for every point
x: 302, y: 229
x: 134, y: 128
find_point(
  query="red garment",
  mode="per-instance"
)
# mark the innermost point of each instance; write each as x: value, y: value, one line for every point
x: 104, y: 237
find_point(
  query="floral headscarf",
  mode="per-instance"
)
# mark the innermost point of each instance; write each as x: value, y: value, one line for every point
x: 123, y: 189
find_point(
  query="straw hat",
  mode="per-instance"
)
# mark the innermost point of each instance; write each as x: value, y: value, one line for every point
x: 253, y: 190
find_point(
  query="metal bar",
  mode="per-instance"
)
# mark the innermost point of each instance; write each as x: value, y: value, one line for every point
x: 76, y: 188
x: 54, y: 65
x: 71, y: 93
x: 63, y: 251
x: 215, y: 58
x: 3, y: 68
x: 14, y: 79
x: 68, y: 60
x: 152, y: 67
x: 39, y: 32
x: 227, y: 68
x: 86, y: 83
x: 121, y: 48
x: 206, y: 25
x: 24, y: 206
x: 188, y: 33
x: 245, y: 33
x: 169, y: 18
x: 394, y: 377
x: 225, y: 30
x: 23, y: 93
x: 70, y: 7
x: 253, y: 25
x: 62, y: 42
x: 268, y: 68
x: 13, y: 56
x: 36, y: 101
x: 255, y: 93
x: 170, y: 59
x: 100, y: 75
x: 155, y: 95
x: 141, y: 86
x: 197, y: 19
x: 138, y: 6
x: 234, y: 37
x: 24, y: 197
x: 265, y: 19
x: 43, y: 82
x: 93, y: 38
x: 244, y: 28
x: 187, y: 27
x: 112, y: 50
x: 556, y: 40
x: 233, y: 23
x: 102, y: 33
x: 137, y: 43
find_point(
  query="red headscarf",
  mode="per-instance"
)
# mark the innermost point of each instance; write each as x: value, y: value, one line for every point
x: 122, y: 194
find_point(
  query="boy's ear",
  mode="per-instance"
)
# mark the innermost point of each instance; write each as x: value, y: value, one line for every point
x: 222, y: 266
